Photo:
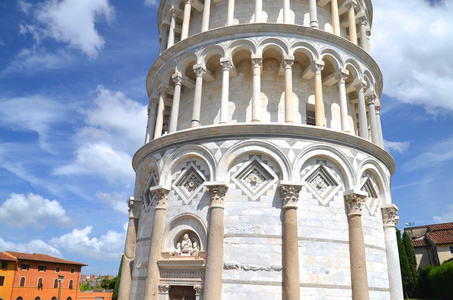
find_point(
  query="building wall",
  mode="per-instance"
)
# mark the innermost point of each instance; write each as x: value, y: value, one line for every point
x: 95, y: 296
x: 5, y: 290
x: 30, y: 291
x: 444, y: 253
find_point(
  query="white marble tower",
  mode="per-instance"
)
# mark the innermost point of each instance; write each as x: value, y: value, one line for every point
x: 263, y: 174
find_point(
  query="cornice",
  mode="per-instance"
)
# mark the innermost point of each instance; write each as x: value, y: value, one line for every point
x: 263, y: 130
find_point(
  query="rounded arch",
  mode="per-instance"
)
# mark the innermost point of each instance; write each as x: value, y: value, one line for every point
x: 55, y: 284
x: 333, y: 57
x: 155, y: 84
x: 306, y: 48
x: 255, y: 147
x: 181, y: 224
x: 241, y: 45
x: 210, y: 51
x: 330, y: 153
x: 22, y: 281
x: 145, y: 168
x: 186, y: 60
x: 354, y: 68
x: 71, y: 284
x: 369, y: 78
x: 183, y: 153
x: 273, y: 43
x: 371, y: 166
x: 167, y: 72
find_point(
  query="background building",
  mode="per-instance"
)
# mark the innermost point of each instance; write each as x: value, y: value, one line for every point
x: 35, y: 277
x: 7, y: 271
x: 433, y: 244
x: 263, y: 174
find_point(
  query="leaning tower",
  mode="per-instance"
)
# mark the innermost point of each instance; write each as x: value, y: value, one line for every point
x: 263, y: 174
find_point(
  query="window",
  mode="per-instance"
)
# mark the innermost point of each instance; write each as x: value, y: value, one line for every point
x: 72, y: 270
x: 57, y: 269
x: 19, y: 298
x: 2, y: 280
x: 40, y: 283
x: 311, y: 116
x: 69, y: 298
x: 37, y: 298
x: 54, y: 298
x: 22, y: 283
x: 41, y: 268
x: 71, y: 284
x: 55, y: 284
x: 25, y: 267
x: 451, y: 249
x: 4, y: 264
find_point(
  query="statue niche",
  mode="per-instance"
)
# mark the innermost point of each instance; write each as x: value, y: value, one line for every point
x: 187, y: 245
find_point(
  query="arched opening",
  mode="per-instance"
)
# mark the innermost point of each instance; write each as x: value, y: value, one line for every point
x: 272, y: 86
x: 22, y: 281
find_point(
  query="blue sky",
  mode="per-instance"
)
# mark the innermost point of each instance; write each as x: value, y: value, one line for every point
x: 73, y: 112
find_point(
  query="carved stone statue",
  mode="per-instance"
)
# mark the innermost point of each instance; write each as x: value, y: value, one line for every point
x: 186, y: 247
x: 186, y: 243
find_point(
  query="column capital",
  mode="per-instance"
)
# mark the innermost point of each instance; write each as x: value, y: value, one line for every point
x: 218, y: 191
x: 163, y: 88
x: 130, y: 203
x: 352, y: 5
x: 288, y: 61
x: 317, y: 66
x: 377, y: 104
x: 225, y: 63
x: 174, y: 11
x: 289, y: 192
x: 363, y: 21
x: 163, y: 289
x: 199, y: 70
x: 160, y: 196
x: 257, y: 60
x: 341, y: 75
x: 198, y: 290
x: 188, y: 2
x: 360, y: 85
x: 177, y: 78
x: 354, y: 201
x: 389, y: 215
x: 370, y: 98
x: 165, y: 25
x: 153, y: 101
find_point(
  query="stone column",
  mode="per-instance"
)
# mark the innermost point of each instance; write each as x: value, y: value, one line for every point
x: 352, y: 27
x: 129, y: 253
x: 313, y: 14
x: 206, y: 13
x: 160, y: 112
x: 289, y: 194
x: 363, y: 37
x: 288, y: 63
x: 373, y: 120
x: 177, y: 79
x: 171, y: 35
x: 342, y: 75
x: 286, y: 11
x: 359, y: 278
x: 186, y: 19
x: 152, y: 111
x: 378, y: 118
x: 258, y: 10
x: 196, y: 109
x: 160, y: 195
x: 198, y: 291
x: 335, y: 17
x: 362, y: 110
x: 256, y: 96
x: 163, y: 292
x: 390, y: 219
x: 226, y: 64
x: 164, y: 38
x: 214, y: 252
x: 319, y: 102
x: 230, y: 17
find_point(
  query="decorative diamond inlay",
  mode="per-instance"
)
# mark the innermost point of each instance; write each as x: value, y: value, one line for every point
x: 369, y: 186
x: 322, y: 184
x: 151, y: 180
x: 254, y: 178
x: 189, y: 183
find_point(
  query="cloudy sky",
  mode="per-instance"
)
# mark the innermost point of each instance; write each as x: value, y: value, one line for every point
x: 73, y: 112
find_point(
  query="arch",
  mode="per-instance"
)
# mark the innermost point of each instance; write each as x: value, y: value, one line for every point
x: 210, y: 51
x: 305, y: 47
x: 169, y: 70
x: 253, y: 146
x: 273, y: 43
x: 71, y: 284
x: 54, y: 298
x: 55, y: 284
x: 241, y: 45
x: 145, y: 167
x: 371, y: 166
x: 19, y: 298
x: 22, y: 281
x: 353, y: 65
x: 333, y: 155
x: 40, y: 282
x: 155, y: 85
x: 181, y: 224
x: 37, y: 298
x: 186, y: 60
x: 333, y: 57
x: 183, y: 153
x: 369, y: 78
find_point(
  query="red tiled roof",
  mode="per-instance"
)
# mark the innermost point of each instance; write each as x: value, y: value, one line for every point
x: 443, y: 226
x: 43, y: 257
x: 4, y: 256
x: 419, y: 243
x: 441, y: 236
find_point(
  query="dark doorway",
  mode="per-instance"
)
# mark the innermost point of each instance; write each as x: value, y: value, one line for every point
x: 182, y: 292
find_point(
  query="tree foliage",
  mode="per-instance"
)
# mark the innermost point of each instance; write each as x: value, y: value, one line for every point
x: 411, y: 261
x: 436, y: 281
x: 403, y: 264
x: 117, y: 283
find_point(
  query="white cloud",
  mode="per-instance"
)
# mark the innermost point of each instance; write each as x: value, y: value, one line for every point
x: 438, y: 153
x: 108, y: 246
x: 102, y: 160
x: 151, y: 3
x: 116, y: 200
x: 34, y: 246
x: 447, y: 216
x: 416, y: 58
x: 21, y: 210
x: 69, y: 21
x: 34, y: 113
x: 398, y: 147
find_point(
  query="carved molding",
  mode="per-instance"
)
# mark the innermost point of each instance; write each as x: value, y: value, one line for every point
x: 253, y: 268
x: 163, y: 289
x: 390, y: 215
x: 160, y: 196
x: 355, y: 202
x: 198, y: 290
x: 289, y: 192
x: 218, y: 192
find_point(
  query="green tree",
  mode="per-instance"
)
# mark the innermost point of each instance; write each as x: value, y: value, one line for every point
x: 411, y: 260
x: 117, y: 281
x: 403, y: 264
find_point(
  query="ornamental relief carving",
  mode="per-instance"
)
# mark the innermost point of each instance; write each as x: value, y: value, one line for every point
x: 189, y: 183
x: 187, y: 246
x: 253, y: 268
x: 322, y: 182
